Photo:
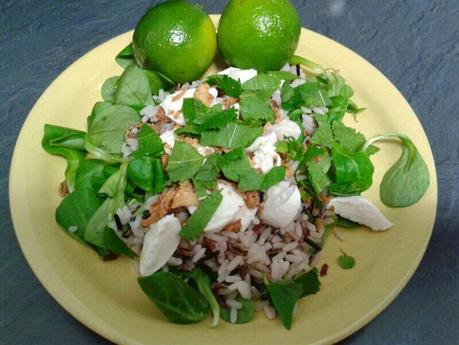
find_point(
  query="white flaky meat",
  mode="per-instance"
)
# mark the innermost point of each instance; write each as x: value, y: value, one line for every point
x: 246, y: 215
x: 360, y: 210
x: 160, y: 243
x: 228, y: 209
x: 168, y: 139
x: 173, y: 104
x: 264, y: 155
x: 286, y: 128
x: 239, y: 74
x: 281, y: 204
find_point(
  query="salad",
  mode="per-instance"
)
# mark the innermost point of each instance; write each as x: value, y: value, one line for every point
x: 225, y: 189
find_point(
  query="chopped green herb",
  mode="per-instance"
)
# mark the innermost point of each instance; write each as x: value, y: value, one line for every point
x: 256, y: 106
x: 228, y: 85
x: 345, y: 261
x: 184, y: 162
x: 233, y: 135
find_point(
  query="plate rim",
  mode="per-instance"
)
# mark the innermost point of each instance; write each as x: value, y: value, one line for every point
x: 67, y: 300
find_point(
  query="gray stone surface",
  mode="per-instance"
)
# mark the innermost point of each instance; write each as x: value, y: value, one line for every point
x: 415, y: 43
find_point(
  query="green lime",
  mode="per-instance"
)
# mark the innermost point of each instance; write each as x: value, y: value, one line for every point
x: 175, y: 38
x: 260, y: 34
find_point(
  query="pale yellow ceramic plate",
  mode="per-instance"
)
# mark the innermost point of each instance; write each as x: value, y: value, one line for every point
x: 105, y: 296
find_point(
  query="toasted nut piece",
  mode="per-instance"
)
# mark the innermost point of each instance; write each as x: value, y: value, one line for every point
x: 202, y: 94
x: 185, y: 196
x: 252, y: 199
x: 233, y: 226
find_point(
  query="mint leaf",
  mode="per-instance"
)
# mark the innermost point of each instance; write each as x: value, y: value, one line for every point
x: 310, y: 282
x: 201, y: 217
x: 191, y: 108
x: 184, y: 162
x: 233, y: 135
x: 228, y: 85
x: 263, y: 82
x: 284, y: 295
x: 235, y: 164
x: 273, y: 177
x: 150, y: 143
x: 256, y: 106
x: 214, y: 118
x: 317, y: 177
x: 291, y: 99
x: 345, y: 261
x: 318, y: 155
x: 206, y: 178
x: 323, y: 135
x: 312, y: 95
x: 347, y: 137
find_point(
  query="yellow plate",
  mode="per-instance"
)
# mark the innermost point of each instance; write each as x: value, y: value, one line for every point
x: 105, y: 296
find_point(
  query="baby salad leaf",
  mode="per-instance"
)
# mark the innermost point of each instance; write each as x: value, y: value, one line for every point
x: 150, y: 143
x: 233, y: 135
x: 146, y: 173
x: 67, y: 143
x: 92, y: 174
x: 109, y: 89
x: 256, y: 106
x: 107, y: 126
x: 244, y: 315
x: 284, y: 294
x: 345, y: 261
x: 157, y: 81
x: 184, y: 162
x: 310, y: 282
x: 199, y: 219
x: 202, y: 281
x: 125, y: 57
x: 133, y: 88
x: 353, y: 171
x: 97, y: 231
x: 178, y: 301
x: 348, y: 138
x: 228, y: 85
x: 408, y: 179
x: 75, y: 210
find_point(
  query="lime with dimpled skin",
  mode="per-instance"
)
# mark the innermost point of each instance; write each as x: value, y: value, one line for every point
x: 260, y: 34
x: 177, y: 39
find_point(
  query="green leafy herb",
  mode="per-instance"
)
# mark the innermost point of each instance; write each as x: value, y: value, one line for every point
x: 133, y: 88
x: 263, y: 82
x: 233, y: 135
x: 125, y: 57
x: 178, y: 301
x: 92, y: 174
x: 339, y: 105
x: 214, y: 118
x: 345, y: 261
x: 284, y: 295
x: 206, y: 178
x: 191, y: 108
x: 67, y: 143
x: 244, y: 315
x: 157, y: 81
x: 109, y: 89
x: 408, y: 179
x: 318, y: 155
x: 75, y: 210
x: 146, y: 173
x: 199, y: 219
x: 317, y: 177
x: 353, y: 171
x: 310, y: 282
x: 348, y: 138
x: 323, y: 134
x: 203, y: 283
x: 256, y: 106
x: 312, y: 95
x: 272, y: 177
x: 228, y: 85
x: 108, y: 123
x: 150, y: 143
x: 184, y: 162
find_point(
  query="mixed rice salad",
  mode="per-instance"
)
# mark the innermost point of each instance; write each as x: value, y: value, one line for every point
x: 222, y: 191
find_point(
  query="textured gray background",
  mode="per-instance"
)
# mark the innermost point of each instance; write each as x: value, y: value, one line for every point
x: 415, y: 43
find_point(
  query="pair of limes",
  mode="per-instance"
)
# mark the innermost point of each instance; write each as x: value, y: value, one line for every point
x: 178, y: 39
